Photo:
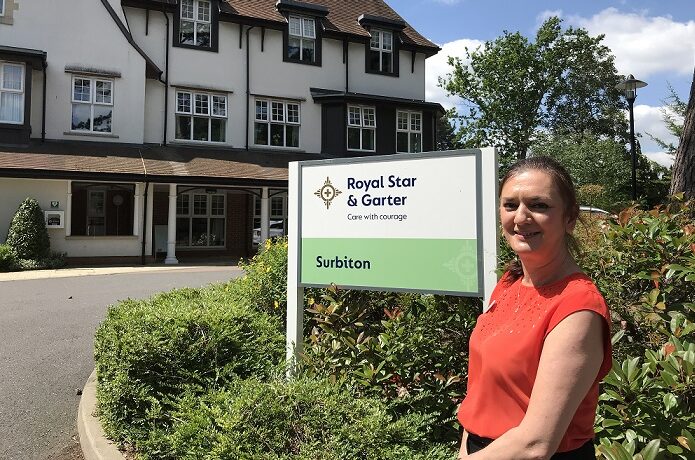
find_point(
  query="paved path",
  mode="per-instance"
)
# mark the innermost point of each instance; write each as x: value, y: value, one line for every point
x: 47, y: 325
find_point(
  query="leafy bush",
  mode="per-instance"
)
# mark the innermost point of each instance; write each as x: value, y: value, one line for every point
x: 8, y: 261
x: 55, y: 260
x: 27, y: 235
x: 149, y: 352
x: 264, y: 286
x: 403, y: 347
x: 305, y: 419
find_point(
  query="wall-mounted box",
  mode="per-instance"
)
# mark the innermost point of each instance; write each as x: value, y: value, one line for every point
x: 54, y: 219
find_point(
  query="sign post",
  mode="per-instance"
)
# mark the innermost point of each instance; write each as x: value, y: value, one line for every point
x: 407, y: 222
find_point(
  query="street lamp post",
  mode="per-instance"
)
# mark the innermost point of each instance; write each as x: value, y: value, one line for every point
x: 629, y: 89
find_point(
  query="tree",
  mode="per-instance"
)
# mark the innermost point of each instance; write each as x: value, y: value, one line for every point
x: 683, y: 172
x: 447, y: 139
x: 672, y: 116
x: 563, y: 82
x: 27, y: 235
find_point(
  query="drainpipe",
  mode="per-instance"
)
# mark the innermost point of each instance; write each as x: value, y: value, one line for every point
x: 166, y: 83
x: 346, y: 52
x: 248, y: 83
x: 43, y: 106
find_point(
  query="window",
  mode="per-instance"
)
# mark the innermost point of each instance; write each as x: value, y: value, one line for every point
x: 201, y: 116
x: 200, y: 219
x: 276, y: 123
x: 380, y: 57
x: 11, y: 93
x: 195, y: 27
x: 102, y: 209
x: 301, y: 43
x: 361, y: 128
x: 278, y: 217
x: 92, y: 105
x: 2, y: 7
x: 408, y: 132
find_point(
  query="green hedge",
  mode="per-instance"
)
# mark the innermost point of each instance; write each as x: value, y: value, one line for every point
x: 149, y: 352
x: 8, y: 261
x: 302, y: 420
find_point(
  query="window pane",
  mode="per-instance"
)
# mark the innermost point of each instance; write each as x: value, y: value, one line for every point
x: 95, y: 226
x: 203, y: 11
x: 401, y: 142
x: 367, y: 139
x: 260, y: 134
x: 386, y: 62
x: 369, y: 116
x: 200, y: 205
x: 103, y: 92
x: 219, y: 106
x: 12, y: 76
x: 199, y: 236
x: 216, y: 232
x: 387, y: 42
x: 307, y: 50
x: 261, y: 110
x: 202, y: 34
x: 309, y: 29
x: 183, y: 231
x: 415, y: 122
x: 354, y: 138
x: 81, y: 117
x: 200, y: 128
x: 186, y: 29
x: 293, y: 45
x: 183, y: 205
x: 295, y: 26
x: 293, y: 113
x: 292, y: 135
x: 183, y: 127
x: 81, y: 92
x: 375, y: 40
x: 202, y: 104
x: 217, y: 205
x: 415, y: 142
x: 102, y: 118
x: 354, y: 116
x: 183, y: 102
x: 374, y: 57
x: 218, y: 127
x: 276, y: 206
x: 277, y: 135
x: 12, y: 107
x: 402, y: 120
x: 277, y: 111
x: 187, y: 9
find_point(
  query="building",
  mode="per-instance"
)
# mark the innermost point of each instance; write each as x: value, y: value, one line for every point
x: 164, y: 128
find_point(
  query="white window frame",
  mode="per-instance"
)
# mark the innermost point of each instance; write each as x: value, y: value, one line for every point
x: 13, y: 91
x: 381, y: 47
x: 92, y: 102
x: 208, y: 113
x: 303, y: 35
x: 269, y: 117
x: 190, y: 215
x: 196, y: 20
x: 2, y: 7
x: 364, y: 124
x: 412, y: 127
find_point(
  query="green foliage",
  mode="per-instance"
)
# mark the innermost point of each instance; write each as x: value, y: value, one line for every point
x: 447, y: 139
x: 403, y: 347
x: 305, y: 419
x: 264, y: 286
x: 672, y: 115
x: 27, y: 235
x: 8, y: 260
x: 563, y: 82
x: 149, y: 352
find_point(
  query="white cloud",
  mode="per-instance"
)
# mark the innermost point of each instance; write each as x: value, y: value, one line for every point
x: 543, y: 15
x: 644, y: 45
x: 648, y: 119
x: 438, y: 66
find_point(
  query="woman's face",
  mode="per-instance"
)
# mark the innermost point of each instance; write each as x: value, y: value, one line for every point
x: 532, y: 214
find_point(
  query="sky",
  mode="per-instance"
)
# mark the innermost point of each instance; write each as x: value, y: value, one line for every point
x: 652, y: 39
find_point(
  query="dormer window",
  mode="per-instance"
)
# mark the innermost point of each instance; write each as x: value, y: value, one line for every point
x: 197, y: 25
x: 301, y: 45
x: 11, y: 93
x: 380, y: 52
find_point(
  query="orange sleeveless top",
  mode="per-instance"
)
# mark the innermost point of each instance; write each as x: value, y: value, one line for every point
x: 505, y: 350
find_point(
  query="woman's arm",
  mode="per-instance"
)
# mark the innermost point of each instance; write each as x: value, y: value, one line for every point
x: 570, y: 361
x: 463, y: 451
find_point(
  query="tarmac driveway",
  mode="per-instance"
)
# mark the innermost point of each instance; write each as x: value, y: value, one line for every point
x: 47, y: 328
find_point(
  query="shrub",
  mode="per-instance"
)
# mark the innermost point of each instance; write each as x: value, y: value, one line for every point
x: 305, y: 419
x: 55, y: 260
x: 7, y: 259
x: 27, y: 235
x: 149, y: 352
x: 408, y: 348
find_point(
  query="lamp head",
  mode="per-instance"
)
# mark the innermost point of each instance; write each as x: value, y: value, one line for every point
x: 629, y: 87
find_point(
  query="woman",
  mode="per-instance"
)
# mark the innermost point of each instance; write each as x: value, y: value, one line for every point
x: 539, y: 352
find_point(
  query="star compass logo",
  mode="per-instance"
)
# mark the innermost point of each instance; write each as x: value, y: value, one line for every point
x: 327, y: 192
